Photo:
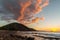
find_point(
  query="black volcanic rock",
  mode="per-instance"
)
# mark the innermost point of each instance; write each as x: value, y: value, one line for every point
x: 16, y: 27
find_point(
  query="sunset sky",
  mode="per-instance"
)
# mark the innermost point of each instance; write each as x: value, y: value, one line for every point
x: 50, y: 12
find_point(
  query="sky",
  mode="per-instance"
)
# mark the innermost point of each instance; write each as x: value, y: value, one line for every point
x: 50, y: 12
x: 52, y: 16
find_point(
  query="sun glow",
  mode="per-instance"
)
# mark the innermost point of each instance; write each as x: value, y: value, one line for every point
x: 49, y: 29
x: 55, y: 29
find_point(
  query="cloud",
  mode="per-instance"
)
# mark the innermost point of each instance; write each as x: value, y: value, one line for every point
x: 24, y: 10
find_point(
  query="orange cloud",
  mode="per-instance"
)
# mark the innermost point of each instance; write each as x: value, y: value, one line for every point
x: 28, y: 10
x: 25, y: 10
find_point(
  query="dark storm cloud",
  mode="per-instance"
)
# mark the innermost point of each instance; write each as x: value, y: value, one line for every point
x: 12, y: 6
x: 15, y: 7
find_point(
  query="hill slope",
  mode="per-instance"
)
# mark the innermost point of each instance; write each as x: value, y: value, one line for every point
x: 16, y: 26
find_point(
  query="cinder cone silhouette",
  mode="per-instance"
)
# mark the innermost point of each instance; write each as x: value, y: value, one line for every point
x: 16, y: 27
